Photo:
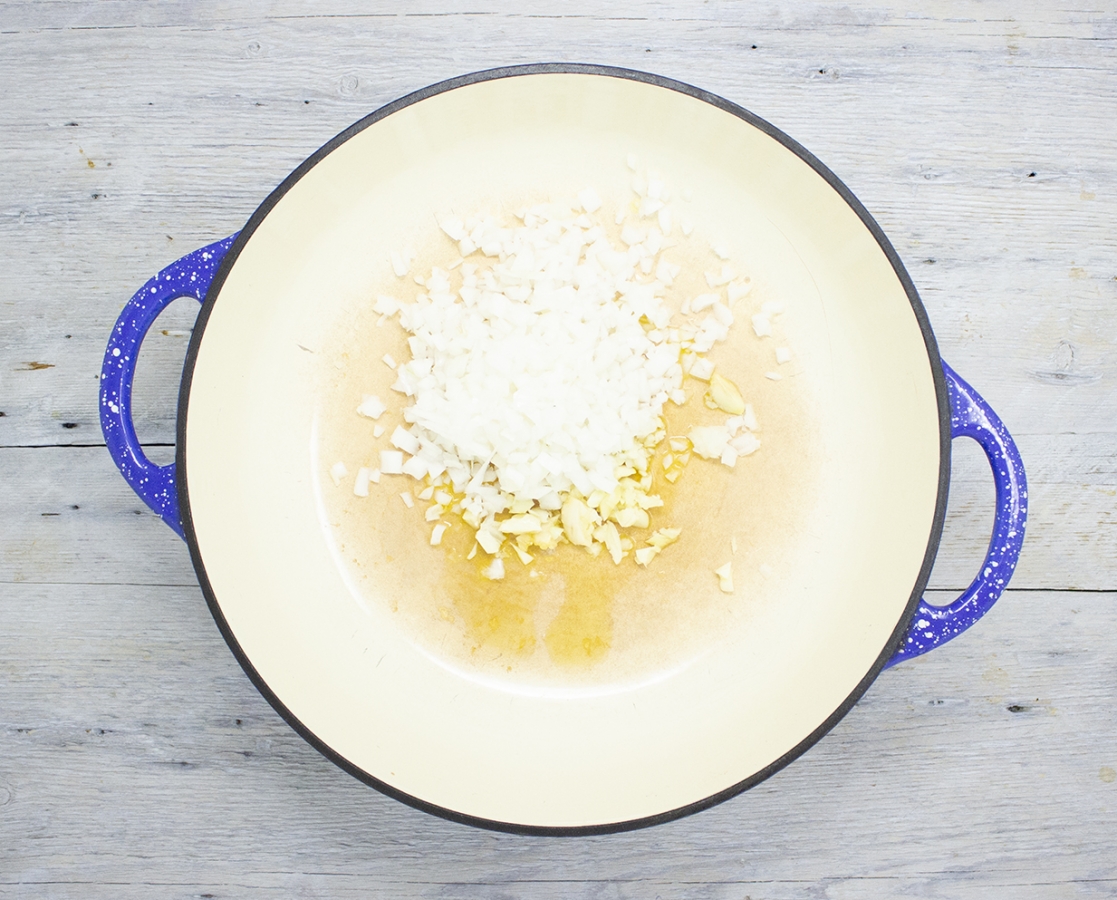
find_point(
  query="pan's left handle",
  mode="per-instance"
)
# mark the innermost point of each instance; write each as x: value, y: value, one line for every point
x: 188, y: 277
x: 972, y: 417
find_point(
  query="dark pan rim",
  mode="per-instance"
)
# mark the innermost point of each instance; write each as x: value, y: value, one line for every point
x: 898, y: 632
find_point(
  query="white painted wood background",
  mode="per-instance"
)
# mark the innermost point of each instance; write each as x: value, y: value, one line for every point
x: 136, y: 760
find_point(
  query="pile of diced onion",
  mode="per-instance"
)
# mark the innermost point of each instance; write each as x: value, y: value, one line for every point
x: 542, y: 359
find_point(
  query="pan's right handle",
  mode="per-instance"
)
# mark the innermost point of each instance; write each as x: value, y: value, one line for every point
x: 972, y: 417
x: 188, y: 277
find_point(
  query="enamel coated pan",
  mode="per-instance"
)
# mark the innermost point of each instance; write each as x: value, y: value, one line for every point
x: 460, y: 699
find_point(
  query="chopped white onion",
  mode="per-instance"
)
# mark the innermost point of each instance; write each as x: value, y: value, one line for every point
x: 725, y: 577
x: 360, y: 484
x: 386, y: 306
x: 391, y: 462
x: 495, y: 570
x: 590, y: 200
x: 371, y: 407
x: 538, y: 377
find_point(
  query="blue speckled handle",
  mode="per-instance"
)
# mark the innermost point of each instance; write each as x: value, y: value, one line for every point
x: 189, y: 277
x: 971, y: 416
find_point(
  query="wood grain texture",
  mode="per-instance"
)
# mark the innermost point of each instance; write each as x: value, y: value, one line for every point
x: 136, y: 760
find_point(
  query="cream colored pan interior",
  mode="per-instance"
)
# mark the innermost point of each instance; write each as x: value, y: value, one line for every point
x: 587, y: 695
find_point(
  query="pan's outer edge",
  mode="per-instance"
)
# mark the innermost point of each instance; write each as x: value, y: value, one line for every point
x: 898, y: 633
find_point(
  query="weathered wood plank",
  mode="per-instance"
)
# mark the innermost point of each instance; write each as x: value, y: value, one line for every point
x: 67, y: 517
x: 951, y: 778
x: 566, y: 889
